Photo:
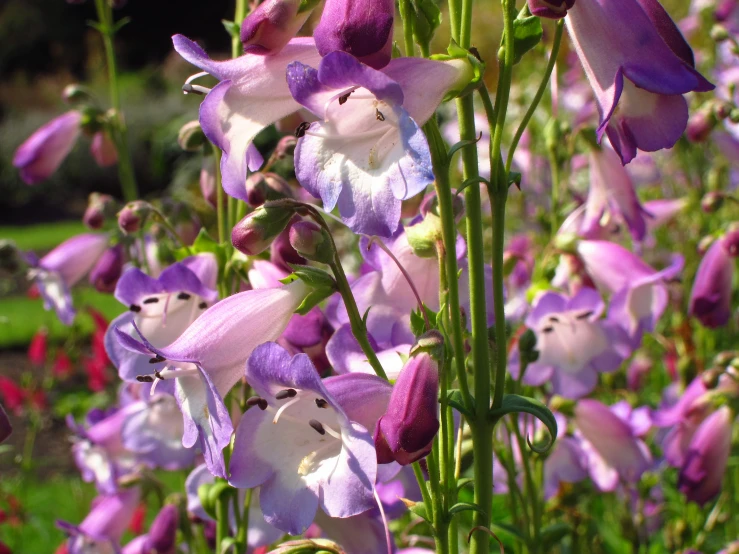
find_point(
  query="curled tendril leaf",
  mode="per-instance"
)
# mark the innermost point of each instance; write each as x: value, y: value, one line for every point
x: 514, y: 403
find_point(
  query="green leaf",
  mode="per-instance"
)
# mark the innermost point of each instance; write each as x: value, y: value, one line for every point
x: 508, y: 530
x: 420, y: 510
x: 458, y: 146
x: 552, y: 534
x: 313, y: 276
x: 514, y: 178
x: 527, y: 33
x: 472, y: 181
x: 464, y: 481
x: 315, y: 297
x: 464, y: 506
x: 513, y: 403
x: 456, y: 401
x: 232, y: 28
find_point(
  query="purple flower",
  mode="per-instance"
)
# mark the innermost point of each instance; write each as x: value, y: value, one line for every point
x: 104, y: 276
x: 612, y: 197
x: 573, y: 342
x: 637, y: 61
x: 567, y: 463
x: 613, y: 449
x: 102, y: 529
x: 705, y: 462
x: 406, y: 432
x: 252, y: 95
x: 639, y: 291
x: 152, y: 431
x: 367, y: 152
x: 103, y: 149
x: 268, y: 29
x: 553, y: 9
x: 362, y: 28
x: 162, y: 535
x: 43, y: 152
x: 59, y: 270
x: 310, y: 446
x: 710, y: 299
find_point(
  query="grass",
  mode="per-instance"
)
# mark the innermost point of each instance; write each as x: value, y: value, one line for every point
x: 44, y: 236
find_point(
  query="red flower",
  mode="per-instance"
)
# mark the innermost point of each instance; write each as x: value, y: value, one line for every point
x: 37, y: 350
x: 12, y: 395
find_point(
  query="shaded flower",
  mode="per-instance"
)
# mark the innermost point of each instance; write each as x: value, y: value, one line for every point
x: 710, y: 298
x: 324, y: 455
x: 268, y: 28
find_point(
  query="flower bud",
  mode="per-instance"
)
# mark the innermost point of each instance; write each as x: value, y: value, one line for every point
x: 406, y: 432
x: 271, y: 26
x: 103, y: 149
x: 363, y: 28
x: 308, y: 546
x: 552, y: 9
x: 711, y: 202
x: 731, y: 242
x: 311, y: 241
x: 719, y: 33
x: 191, y: 137
x: 104, y: 276
x: 282, y: 253
x: 263, y: 187
x: 254, y: 234
x: 286, y: 146
x: 131, y: 216
x: 208, y: 184
x: 163, y: 532
x: 99, y: 206
x: 700, y: 125
x: 424, y: 236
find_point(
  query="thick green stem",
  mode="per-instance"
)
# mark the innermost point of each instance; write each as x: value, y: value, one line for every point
x: 221, y: 519
x: 404, y: 7
x: 220, y: 216
x: 118, y: 130
x: 539, y: 93
x: 239, y: 15
x: 449, y: 235
x: 481, y: 431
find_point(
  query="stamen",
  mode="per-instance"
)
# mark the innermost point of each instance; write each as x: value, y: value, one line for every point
x: 151, y: 300
x: 584, y: 315
x: 187, y: 88
x: 134, y: 308
x: 257, y: 401
x: 344, y: 98
x: 321, y: 403
x: 331, y: 432
x: 317, y: 426
x: 145, y: 378
x: 554, y: 319
x: 287, y: 393
x: 157, y: 359
x: 203, y: 305
x: 184, y: 296
x: 283, y: 408
x: 379, y: 115
x: 302, y: 128
x: 191, y: 78
x: 547, y: 329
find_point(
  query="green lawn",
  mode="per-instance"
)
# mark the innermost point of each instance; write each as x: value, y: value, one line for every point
x: 44, y: 236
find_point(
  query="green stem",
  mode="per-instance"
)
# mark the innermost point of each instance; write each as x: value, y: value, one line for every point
x: 118, y: 130
x: 239, y: 15
x: 221, y: 519
x: 481, y: 431
x: 554, y: 216
x: 454, y: 21
x: 539, y: 93
x: 220, y: 219
x: 465, y: 24
x: 532, y: 495
x: 449, y: 234
x: 404, y: 6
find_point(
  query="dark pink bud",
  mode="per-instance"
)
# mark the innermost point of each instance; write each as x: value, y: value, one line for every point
x: 700, y: 126
x: 711, y: 202
x: 163, y: 532
x: 311, y: 242
x: 99, y: 206
x: 255, y: 233
x: 363, y: 28
x: 37, y: 350
x: 552, y: 9
x: 282, y: 253
x: 104, y: 276
x: 271, y: 26
x: 263, y: 187
x: 103, y: 149
x: 131, y: 216
x: 286, y: 146
x: 406, y: 432
x: 62, y: 367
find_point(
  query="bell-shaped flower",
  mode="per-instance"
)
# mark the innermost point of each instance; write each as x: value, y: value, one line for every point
x: 552, y: 9
x: 104, y: 276
x: 611, y: 198
x: 152, y: 431
x: 567, y: 463
x: 639, y: 66
x: 306, y: 442
x: 161, y: 308
x: 639, y: 291
x: 98, y: 449
x: 63, y: 267
x: 260, y: 533
x: 705, y: 463
x: 102, y: 529
x: 252, y: 94
x: 367, y: 153
x: 207, y: 360
x: 710, y: 298
x: 573, y: 342
x: 406, y: 432
x: 44, y: 151
x: 363, y: 28
x: 268, y: 29
x: 613, y: 448
x: 162, y: 535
